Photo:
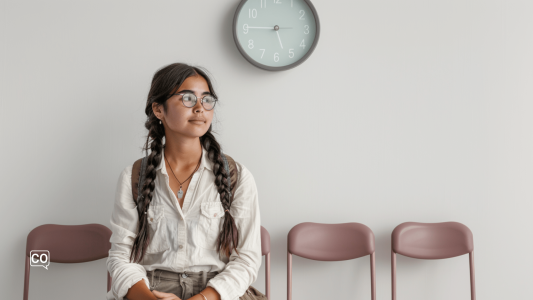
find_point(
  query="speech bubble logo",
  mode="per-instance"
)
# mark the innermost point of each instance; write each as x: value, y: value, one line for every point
x: 40, y: 258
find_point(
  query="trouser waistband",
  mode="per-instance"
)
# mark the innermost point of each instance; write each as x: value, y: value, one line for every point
x: 158, y: 274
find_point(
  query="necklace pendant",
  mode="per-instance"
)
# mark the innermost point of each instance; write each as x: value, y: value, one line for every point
x: 180, y: 193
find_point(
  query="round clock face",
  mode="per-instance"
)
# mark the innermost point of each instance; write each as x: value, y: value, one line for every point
x: 276, y: 34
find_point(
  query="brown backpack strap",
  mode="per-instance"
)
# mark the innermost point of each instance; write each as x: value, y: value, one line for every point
x: 231, y: 169
x: 138, y: 166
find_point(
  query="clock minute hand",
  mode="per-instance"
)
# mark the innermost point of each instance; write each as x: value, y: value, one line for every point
x: 279, y: 39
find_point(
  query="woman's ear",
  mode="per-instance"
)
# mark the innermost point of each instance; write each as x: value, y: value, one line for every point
x: 157, y: 109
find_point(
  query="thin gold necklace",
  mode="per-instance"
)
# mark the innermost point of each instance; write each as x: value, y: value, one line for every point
x: 180, y: 192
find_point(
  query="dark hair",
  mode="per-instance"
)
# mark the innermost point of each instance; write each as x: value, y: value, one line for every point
x: 164, y: 83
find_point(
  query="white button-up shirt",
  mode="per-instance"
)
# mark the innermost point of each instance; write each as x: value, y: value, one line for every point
x: 183, y: 239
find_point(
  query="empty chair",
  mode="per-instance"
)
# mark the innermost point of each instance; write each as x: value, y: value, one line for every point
x: 330, y: 242
x: 265, y: 249
x: 432, y: 241
x: 68, y: 244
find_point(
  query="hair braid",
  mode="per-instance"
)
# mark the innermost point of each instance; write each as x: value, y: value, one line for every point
x: 156, y: 132
x: 229, y: 236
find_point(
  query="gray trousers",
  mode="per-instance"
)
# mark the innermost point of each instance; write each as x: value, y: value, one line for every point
x: 184, y: 285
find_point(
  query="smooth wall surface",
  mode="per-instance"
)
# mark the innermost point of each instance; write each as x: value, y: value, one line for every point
x: 406, y: 111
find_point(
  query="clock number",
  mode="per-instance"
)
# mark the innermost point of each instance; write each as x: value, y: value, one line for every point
x: 302, y: 16
x: 252, y: 13
x: 251, y: 44
x: 306, y: 31
x: 276, y: 57
x: 291, y: 3
x: 302, y: 44
x: 262, y: 53
x: 291, y: 54
x: 262, y: 3
x: 245, y: 27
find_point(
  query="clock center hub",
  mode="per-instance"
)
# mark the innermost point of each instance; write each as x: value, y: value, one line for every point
x: 276, y: 27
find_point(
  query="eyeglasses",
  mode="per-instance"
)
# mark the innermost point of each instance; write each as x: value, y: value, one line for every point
x: 189, y: 100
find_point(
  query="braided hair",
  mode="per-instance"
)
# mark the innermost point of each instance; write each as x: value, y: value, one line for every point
x: 164, y: 82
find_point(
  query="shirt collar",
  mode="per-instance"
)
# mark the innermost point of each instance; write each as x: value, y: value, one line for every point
x: 204, y: 163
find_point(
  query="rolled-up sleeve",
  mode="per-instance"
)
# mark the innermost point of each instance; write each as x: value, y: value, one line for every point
x: 124, y: 221
x: 240, y: 272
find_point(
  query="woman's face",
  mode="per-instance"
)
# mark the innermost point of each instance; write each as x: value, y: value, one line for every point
x: 179, y: 119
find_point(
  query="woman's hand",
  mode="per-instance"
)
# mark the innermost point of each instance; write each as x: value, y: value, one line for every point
x: 165, y: 296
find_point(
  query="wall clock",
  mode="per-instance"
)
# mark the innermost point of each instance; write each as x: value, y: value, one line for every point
x: 276, y: 35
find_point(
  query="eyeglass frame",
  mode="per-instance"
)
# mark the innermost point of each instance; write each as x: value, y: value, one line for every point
x: 201, y: 100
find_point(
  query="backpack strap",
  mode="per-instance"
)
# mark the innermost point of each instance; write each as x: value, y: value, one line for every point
x: 232, y: 170
x: 139, y: 168
x: 137, y: 177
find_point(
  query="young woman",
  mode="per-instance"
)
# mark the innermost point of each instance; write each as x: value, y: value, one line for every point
x: 179, y: 241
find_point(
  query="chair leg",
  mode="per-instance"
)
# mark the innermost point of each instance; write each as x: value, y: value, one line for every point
x: 373, y: 274
x: 267, y: 275
x: 472, y: 276
x: 289, y: 275
x: 27, y: 278
x: 393, y: 273
x: 108, y: 281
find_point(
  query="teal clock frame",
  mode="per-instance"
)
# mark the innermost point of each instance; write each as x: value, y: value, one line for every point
x: 270, y: 68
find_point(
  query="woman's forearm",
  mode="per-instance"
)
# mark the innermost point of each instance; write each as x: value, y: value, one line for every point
x: 209, y: 293
x: 140, y: 291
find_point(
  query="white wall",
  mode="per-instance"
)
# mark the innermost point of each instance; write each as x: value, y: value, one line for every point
x: 406, y: 111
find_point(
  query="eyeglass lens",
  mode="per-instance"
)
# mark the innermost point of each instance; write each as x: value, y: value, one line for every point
x: 189, y: 100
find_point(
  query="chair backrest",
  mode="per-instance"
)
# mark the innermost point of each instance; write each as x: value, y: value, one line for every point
x: 68, y: 244
x: 265, y: 249
x: 71, y: 243
x: 432, y: 240
x: 331, y: 242
x: 265, y: 241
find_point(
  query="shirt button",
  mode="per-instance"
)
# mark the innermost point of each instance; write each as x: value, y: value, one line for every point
x: 214, y: 215
x: 184, y: 275
x: 151, y: 219
x: 181, y: 247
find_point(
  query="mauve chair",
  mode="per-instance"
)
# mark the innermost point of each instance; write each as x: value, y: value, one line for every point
x: 265, y: 249
x: 331, y: 242
x: 68, y: 244
x: 432, y: 241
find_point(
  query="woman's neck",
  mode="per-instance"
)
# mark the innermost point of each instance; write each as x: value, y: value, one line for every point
x: 183, y: 153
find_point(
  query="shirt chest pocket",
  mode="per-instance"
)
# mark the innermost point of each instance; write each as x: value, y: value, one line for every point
x: 157, y: 229
x: 209, y: 224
